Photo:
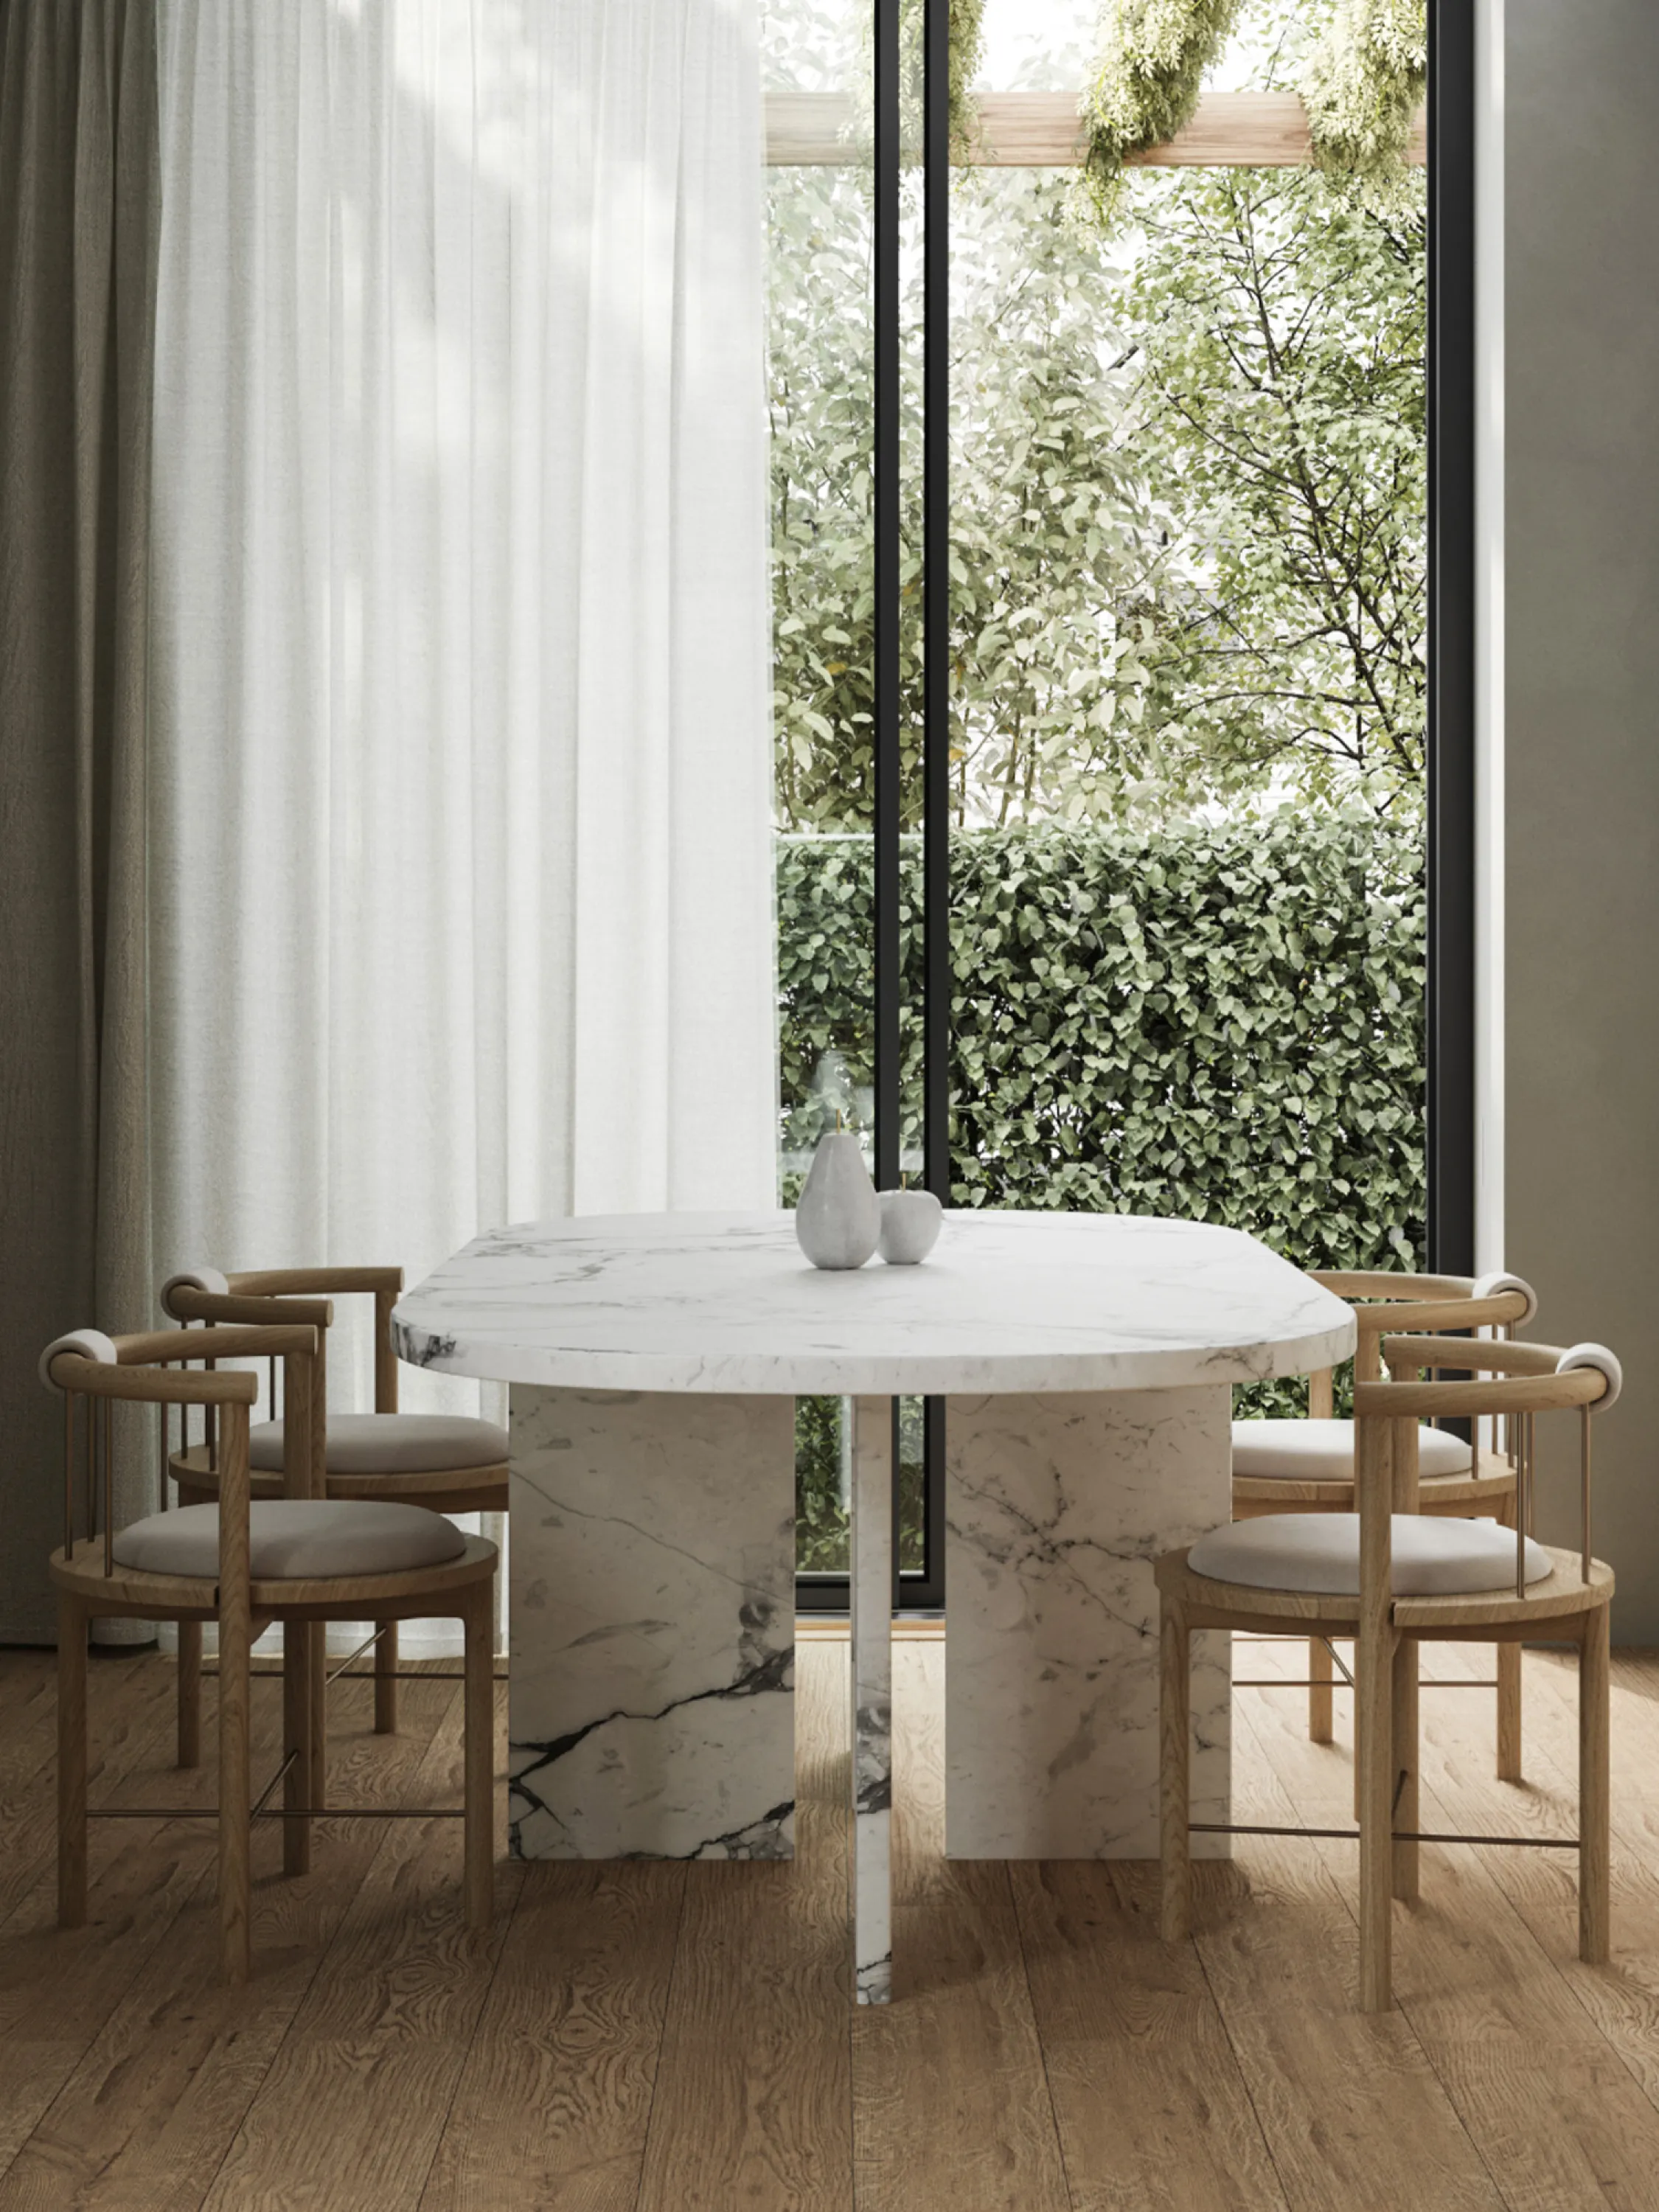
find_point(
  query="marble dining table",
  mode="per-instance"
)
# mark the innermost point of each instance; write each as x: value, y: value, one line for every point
x: 1087, y: 1361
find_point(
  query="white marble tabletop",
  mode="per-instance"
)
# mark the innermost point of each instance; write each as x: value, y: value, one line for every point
x: 1007, y: 1302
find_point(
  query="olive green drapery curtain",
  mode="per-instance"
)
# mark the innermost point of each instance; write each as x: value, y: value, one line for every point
x: 77, y: 153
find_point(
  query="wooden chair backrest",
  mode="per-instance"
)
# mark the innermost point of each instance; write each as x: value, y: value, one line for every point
x: 1513, y: 1381
x: 143, y: 1373
x: 1383, y: 1301
x: 304, y: 1294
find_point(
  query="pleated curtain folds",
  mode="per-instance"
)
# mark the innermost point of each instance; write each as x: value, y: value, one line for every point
x: 457, y: 824
x: 460, y: 635
x: 77, y: 167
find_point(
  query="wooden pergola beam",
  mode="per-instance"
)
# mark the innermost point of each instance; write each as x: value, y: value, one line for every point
x: 1041, y: 131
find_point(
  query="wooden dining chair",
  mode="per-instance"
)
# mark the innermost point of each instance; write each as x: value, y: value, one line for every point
x: 1392, y: 1577
x: 446, y: 1462
x: 297, y: 1559
x: 1286, y: 1465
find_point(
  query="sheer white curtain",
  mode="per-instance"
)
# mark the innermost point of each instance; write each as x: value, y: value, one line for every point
x: 460, y: 843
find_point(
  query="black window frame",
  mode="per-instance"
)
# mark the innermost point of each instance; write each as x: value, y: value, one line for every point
x: 1451, y: 820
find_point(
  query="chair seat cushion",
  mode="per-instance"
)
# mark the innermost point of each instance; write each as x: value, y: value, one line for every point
x: 392, y: 1443
x: 1434, y: 1555
x: 1322, y: 1451
x: 295, y: 1537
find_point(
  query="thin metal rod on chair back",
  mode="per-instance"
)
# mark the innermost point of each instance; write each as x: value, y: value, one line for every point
x: 1519, y: 1381
x: 92, y: 1471
x: 1585, y: 1491
x: 109, y: 1486
x: 69, y: 1474
x: 141, y: 1373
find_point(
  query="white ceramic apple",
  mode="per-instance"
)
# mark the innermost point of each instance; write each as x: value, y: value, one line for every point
x: 910, y: 1222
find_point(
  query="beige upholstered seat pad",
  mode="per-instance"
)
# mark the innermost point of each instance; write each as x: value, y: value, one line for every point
x: 295, y: 1538
x: 1322, y: 1451
x: 1434, y: 1555
x: 392, y: 1444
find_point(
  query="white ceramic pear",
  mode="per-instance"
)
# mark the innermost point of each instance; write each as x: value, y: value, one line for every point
x: 837, y: 1217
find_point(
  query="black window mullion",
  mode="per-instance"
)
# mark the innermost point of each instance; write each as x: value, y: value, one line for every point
x: 936, y: 605
x: 1451, y: 795
x: 928, y: 1589
x: 888, y: 791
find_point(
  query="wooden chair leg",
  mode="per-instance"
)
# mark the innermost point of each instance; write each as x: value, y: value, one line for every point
x: 235, y: 1882
x: 1595, y: 1866
x: 1404, y: 1793
x: 190, y: 1693
x: 71, y: 1764
x: 1509, y: 1687
x: 1373, y: 1686
x: 1509, y: 1712
x: 1322, y: 1672
x: 1174, y: 1736
x: 296, y: 1742
x: 386, y: 1679
x: 479, y: 1756
x: 316, y: 1662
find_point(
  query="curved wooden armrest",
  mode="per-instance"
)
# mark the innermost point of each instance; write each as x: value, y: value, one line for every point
x: 162, y: 1346
x: 155, y: 1386
x: 1381, y: 1283
x: 1428, y: 1314
x: 290, y: 1282
x: 1508, y: 1393
x: 190, y: 1304
x: 1482, y: 1355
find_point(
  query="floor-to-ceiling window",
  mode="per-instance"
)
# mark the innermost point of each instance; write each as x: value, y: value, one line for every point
x: 1203, y: 766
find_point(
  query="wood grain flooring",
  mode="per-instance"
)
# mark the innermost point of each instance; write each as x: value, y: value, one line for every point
x: 665, y: 2037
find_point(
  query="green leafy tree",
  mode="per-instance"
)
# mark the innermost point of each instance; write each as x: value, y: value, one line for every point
x: 1282, y: 327
x: 1188, y: 558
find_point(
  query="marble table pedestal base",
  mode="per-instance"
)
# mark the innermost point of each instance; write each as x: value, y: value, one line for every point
x: 1056, y: 1506
x: 652, y: 1707
x: 654, y: 1361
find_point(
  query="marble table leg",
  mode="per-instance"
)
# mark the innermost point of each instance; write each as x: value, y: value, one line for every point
x: 651, y: 1610
x: 872, y: 1673
x: 1056, y: 1507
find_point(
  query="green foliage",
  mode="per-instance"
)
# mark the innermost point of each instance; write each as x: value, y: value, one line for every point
x: 1187, y: 547
x: 1283, y: 329
x: 820, y: 1507
x: 1222, y: 1022
x: 1146, y: 81
x: 967, y: 38
x: 1066, y: 577
x: 1363, y: 83
x: 821, y: 1528
x: 822, y: 429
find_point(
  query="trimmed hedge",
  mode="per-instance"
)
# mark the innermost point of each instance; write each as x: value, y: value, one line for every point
x: 1225, y: 1023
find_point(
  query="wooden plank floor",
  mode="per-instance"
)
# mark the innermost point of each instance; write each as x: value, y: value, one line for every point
x: 664, y: 2038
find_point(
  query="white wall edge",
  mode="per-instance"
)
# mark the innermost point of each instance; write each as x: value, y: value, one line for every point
x: 1490, y: 679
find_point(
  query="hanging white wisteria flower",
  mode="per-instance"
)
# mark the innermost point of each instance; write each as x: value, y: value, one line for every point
x: 1362, y: 85
x: 967, y: 42
x: 1153, y: 54
x: 967, y: 35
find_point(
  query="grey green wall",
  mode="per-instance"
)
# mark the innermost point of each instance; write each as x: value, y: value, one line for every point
x: 1581, y: 747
